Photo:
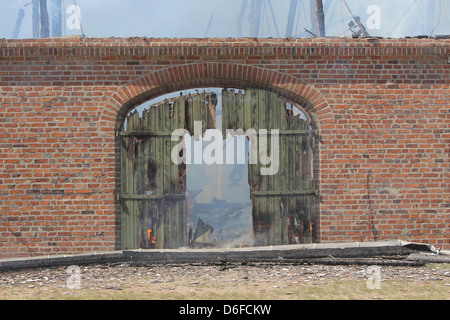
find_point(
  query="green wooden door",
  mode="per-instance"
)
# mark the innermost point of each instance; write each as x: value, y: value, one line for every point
x: 153, y: 198
x: 283, y: 204
x: 152, y: 193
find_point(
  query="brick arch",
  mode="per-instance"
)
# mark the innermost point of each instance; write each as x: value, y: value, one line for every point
x: 211, y: 74
x: 221, y: 75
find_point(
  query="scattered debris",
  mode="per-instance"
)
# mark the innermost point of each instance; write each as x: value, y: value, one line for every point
x: 191, y: 278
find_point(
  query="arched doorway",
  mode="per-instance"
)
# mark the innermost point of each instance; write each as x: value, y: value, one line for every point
x: 280, y: 142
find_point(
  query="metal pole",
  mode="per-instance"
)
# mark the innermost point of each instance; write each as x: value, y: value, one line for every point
x: 57, y: 18
x: 209, y: 26
x: 255, y: 18
x: 358, y: 22
x: 320, y: 18
x: 313, y: 14
x: 291, y: 18
x: 35, y: 19
x: 241, y: 17
x: 45, y: 26
x: 18, y: 24
x: 273, y: 18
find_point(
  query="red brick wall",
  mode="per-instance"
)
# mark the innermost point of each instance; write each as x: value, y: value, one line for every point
x: 381, y: 106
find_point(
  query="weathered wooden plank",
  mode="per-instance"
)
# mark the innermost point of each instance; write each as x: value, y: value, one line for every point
x: 211, y: 103
x: 123, y: 141
x: 248, y: 112
x: 148, y: 172
x: 231, y: 112
x: 283, y: 186
x: 284, y: 167
x: 204, y: 111
x: 159, y: 175
x: 133, y: 227
x: 291, y: 173
x: 161, y: 222
x: 270, y: 110
x: 172, y: 169
x: 174, y: 174
x: 254, y: 123
x: 285, y: 164
x: 125, y: 210
x: 270, y: 208
x: 272, y: 180
x: 275, y: 117
x: 311, y: 184
x: 253, y: 170
x: 313, y: 218
x: 197, y: 116
x: 153, y: 156
x: 130, y: 183
x: 305, y: 162
x: 182, y: 205
x: 153, y: 176
x: 140, y: 173
x: 183, y: 216
x: 158, y: 153
x: 189, y: 115
x: 167, y: 165
x: 240, y: 119
x: 310, y: 226
x: 260, y: 107
x: 225, y: 108
x: 165, y: 168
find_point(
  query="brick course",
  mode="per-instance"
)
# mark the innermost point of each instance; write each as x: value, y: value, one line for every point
x: 381, y: 107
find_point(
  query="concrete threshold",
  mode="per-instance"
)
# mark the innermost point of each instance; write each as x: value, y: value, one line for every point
x: 330, y: 253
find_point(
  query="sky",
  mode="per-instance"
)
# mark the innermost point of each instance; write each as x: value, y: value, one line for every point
x: 220, y: 18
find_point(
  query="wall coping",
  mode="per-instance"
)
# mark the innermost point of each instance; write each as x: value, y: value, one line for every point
x: 139, y: 46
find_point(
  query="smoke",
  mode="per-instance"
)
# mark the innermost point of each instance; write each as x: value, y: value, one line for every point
x: 17, y: 4
x: 181, y: 18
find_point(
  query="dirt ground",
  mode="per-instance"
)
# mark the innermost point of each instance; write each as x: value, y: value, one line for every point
x: 122, y: 281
